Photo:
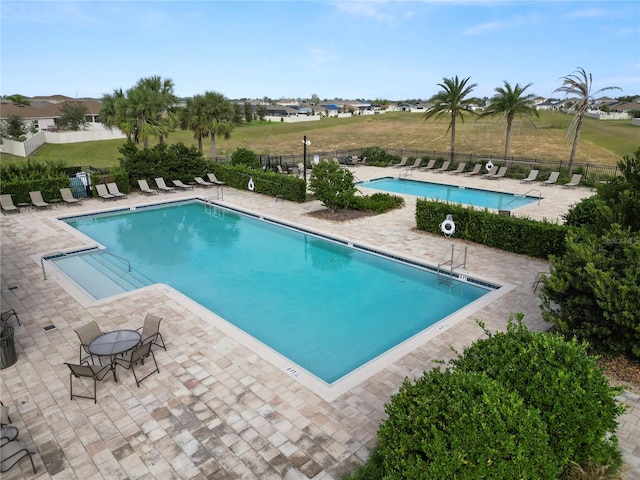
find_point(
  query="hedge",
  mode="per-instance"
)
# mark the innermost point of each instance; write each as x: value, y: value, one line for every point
x: 49, y: 187
x: 265, y: 181
x: 512, y: 234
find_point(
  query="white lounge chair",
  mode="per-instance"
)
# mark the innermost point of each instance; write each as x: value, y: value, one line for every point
x: 163, y: 186
x: 203, y: 183
x: 213, y: 179
x: 68, y: 198
x: 492, y: 172
x: 144, y: 188
x: 179, y: 184
x: 460, y: 169
x: 6, y: 202
x: 402, y: 163
x: 553, y: 178
x: 574, y: 182
x: 501, y: 173
x: 415, y: 165
x: 443, y: 168
x: 429, y: 165
x: 533, y: 174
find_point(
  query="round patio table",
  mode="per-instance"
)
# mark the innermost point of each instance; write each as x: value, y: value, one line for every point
x: 111, y: 344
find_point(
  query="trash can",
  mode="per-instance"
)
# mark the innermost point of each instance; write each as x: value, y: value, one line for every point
x: 7, y: 347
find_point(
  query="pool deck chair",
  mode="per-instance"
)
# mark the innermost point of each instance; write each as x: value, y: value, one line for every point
x: 475, y: 171
x: 11, y: 453
x: 492, y: 172
x: 443, y: 168
x: 86, y: 334
x: 429, y: 165
x: 179, y: 184
x: 402, y: 163
x: 460, y: 169
x: 501, y: 173
x: 8, y: 433
x: 94, y: 372
x: 203, y: 183
x: 144, y: 188
x: 150, y: 331
x: 103, y: 193
x: 68, y: 198
x: 6, y: 202
x: 5, y: 316
x: 553, y: 178
x: 113, y: 190
x: 214, y: 180
x: 138, y: 356
x: 575, y: 181
x: 37, y: 200
x: 163, y: 186
x: 533, y: 174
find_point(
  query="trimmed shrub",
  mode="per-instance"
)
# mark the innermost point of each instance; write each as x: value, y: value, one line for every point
x: 332, y: 185
x: 513, y: 234
x: 463, y: 425
x: 378, y: 157
x: 558, y: 379
x: 378, y: 202
x: 18, y: 179
x: 244, y: 156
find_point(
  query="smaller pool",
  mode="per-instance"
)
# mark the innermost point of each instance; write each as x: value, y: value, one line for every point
x: 451, y: 193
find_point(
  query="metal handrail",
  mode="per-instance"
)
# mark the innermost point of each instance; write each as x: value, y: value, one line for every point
x: 520, y: 195
x: 118, y: 257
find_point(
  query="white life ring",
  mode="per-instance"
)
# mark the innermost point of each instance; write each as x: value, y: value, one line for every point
x: 250, y: 185
x: 448, y: 227
x: 489, y: 166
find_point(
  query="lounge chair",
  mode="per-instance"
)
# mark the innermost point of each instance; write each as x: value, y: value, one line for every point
x: 475, y: 171
x: 68, y: 198
x: 575, y: 181
x: 6, y: 202
x: 138, y: 355
x: 11, y: 453
x: 401, y: 164
x: 4, y: 415
x: 37, y: 200
x: 94, y: 372
x: 8, y: 433
x: 113, y: 190
x: 203, y: 183
x: 533, y: 174
x: 415, y: 165
x: 280, y: 170
x: 553, y: 178
x: 103, y: 193
x: 144, y: 188
x: 460, y: 169
x: 443, y: 168
x: 86, y: 334
x: 179, y: 184
x: 491, y: 172
x: 5, y: 316
x: 150, y: 331
x: 214, y: 180
x: 300, y: 168
x: 429, y: 165
x: 163, y: 186
x: 501, y: 173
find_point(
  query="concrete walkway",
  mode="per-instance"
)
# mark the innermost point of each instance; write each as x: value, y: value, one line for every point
x: 220, y: 408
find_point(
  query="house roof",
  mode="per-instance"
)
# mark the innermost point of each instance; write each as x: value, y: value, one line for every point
x: 43, y: 109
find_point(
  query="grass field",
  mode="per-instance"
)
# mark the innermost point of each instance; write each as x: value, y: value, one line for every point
x: 545, y: 138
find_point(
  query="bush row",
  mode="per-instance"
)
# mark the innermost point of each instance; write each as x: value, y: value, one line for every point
x: 512, y: 234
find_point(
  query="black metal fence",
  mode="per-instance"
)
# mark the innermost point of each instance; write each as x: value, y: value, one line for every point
x: 518, y: 166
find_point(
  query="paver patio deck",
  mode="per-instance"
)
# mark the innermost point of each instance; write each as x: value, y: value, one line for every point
x: 218, y: 409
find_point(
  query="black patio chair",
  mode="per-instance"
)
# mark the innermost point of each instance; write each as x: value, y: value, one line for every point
x: 137, y: 356
x: 11, y: 453
x: 95, y: 372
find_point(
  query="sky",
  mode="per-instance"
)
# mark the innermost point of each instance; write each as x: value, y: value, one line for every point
x: 348, y: 49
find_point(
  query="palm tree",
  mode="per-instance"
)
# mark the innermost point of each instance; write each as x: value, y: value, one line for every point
x: 219, y: 114
x: 450, y: 101
x: 160, y: 93
x: 579, y: 83
x: 113, y: 113
x: 192, y: 117
x: 508, y: 102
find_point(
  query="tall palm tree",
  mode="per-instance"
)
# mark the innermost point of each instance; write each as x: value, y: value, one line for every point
x: 451, y: 101
x: 113, y: 113
x: 192, y: 117
x: 219, y: 114
x: 579, y: 83
x: 508, y: 102
x: 161, y: 94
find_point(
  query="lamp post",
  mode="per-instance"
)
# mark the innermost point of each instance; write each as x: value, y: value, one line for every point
x: 305, y: 142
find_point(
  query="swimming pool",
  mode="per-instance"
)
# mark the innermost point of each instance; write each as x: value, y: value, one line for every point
x: 451, y: 193
x: 325, y: 305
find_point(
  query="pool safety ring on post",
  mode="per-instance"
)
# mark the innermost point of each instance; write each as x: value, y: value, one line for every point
x: 489, y: 166
x: 448, y: 227
x: 250, y: 185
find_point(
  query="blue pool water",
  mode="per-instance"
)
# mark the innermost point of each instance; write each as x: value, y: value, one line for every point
x: 450, y: 193
x: 326, y: 306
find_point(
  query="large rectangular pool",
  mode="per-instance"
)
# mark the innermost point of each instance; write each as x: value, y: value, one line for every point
x: 451, y: 193
x: 323, y: 304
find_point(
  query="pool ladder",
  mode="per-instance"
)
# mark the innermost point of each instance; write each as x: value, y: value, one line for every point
x: 521, y: 195
x: 448, y: 264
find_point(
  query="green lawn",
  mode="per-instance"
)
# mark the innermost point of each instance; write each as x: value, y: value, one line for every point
x: 601, y: 142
